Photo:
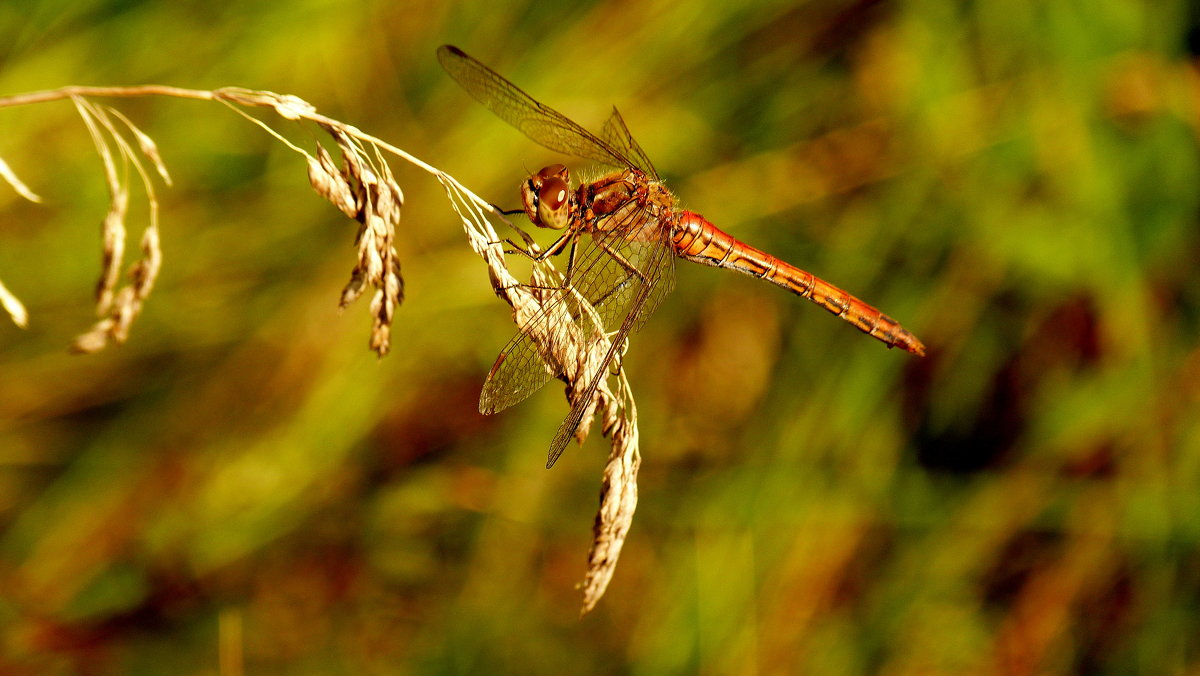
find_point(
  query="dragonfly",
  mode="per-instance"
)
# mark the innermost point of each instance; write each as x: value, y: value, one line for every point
x: 622, y: 233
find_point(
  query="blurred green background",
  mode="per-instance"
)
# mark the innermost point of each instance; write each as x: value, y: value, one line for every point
x: 243, y: 486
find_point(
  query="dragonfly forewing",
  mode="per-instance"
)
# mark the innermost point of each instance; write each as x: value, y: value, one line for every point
x: 625, y: 231
x: 538, y: 121
x: 608, y: 284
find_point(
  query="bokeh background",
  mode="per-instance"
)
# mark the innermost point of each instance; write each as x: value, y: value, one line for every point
x: 244, y: 487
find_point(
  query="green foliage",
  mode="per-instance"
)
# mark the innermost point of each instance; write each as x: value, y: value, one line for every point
x: 1015, y: 182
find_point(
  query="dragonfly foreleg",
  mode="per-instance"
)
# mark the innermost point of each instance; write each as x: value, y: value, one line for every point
x: 518, y: 249
x: 506, y: 212
x: 555, y: 248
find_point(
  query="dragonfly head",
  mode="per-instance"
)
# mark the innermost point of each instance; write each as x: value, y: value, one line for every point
x: 547, y: 197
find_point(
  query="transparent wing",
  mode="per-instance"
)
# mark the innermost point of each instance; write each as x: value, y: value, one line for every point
x: 612, y: 287
x: 617, y: 135
x: 623, y: 272
x: 603, y: 273
x: 539, y: 122
x: 659, y: 274
x: 520, y: 370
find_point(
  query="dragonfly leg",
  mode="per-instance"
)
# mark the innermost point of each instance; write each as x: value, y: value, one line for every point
x: 634, y: 273
x: 557, y: 247
x: 517, y: 249
x: 569, y: 274
x: 616, y: 255
x: 506, y: 212
x: 554, y: 249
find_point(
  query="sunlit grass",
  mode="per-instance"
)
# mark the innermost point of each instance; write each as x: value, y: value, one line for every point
x: 1013, y: 181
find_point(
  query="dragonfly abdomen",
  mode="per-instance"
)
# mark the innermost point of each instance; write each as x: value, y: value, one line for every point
x: 698, y: 240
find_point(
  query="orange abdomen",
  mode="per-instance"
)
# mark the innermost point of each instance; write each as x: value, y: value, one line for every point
x: 698, y: 240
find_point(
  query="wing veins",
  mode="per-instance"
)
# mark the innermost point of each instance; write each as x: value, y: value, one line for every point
x: 575, y: 417
x: 603, y: 290
x: 539, y: 122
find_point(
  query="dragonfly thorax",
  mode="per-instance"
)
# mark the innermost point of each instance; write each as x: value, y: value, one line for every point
x: 547, y: 197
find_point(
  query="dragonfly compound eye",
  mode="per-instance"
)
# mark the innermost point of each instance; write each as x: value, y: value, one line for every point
x: 552, y: 201
x: 552, y: 170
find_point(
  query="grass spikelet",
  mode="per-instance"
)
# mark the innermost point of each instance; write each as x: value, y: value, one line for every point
x: 365, y: 190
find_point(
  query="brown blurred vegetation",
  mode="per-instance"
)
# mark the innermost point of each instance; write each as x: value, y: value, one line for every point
x: 244, y: 486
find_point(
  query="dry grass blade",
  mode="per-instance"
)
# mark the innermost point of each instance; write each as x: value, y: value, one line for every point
x: 17, y: 184
x: 16, y: 311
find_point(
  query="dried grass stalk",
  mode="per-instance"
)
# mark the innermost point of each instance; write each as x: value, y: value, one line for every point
x: 119, y: 307
x: 618, y: 501
x: 363, y: 188
x: 12, y: 305
x: 576, y: 358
